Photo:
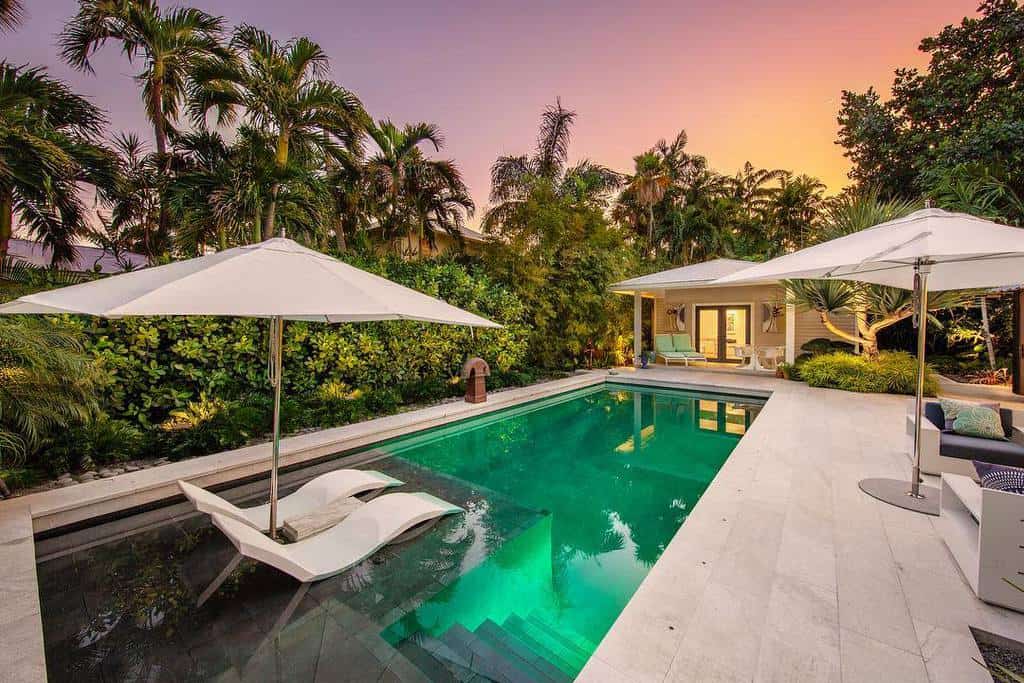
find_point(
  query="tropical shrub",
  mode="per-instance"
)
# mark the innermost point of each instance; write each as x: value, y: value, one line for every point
x: 47, y: 384
x: 890, y: 372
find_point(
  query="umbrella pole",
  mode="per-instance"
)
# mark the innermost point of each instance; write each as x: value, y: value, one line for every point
x: 921, y: 270
x: 924, y: 499
x: 276, y: 351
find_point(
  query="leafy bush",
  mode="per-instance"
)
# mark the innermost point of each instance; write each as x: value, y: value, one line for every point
x: 99, y: 442
x: 893, y: 372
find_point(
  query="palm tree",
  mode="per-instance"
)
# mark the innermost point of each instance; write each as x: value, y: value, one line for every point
x: 134, y: 202
x: 12, y: 12
x: 649, y: 183
x: 793, y: 211
x: 417, y: 196
x: 279, y: 87
x: 47, y: 147
x: 513, y: 178
x: 46, y: 383
x: 169, y: 44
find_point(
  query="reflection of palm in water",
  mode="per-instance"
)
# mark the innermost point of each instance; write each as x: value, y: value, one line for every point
x: 643, y: 491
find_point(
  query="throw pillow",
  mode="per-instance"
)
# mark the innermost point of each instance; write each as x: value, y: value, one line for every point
x: 1000, y: 477
x: 951, y: 408
x: 979, y: 421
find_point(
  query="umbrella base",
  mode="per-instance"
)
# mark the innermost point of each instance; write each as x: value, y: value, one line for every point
x: 894, y: 492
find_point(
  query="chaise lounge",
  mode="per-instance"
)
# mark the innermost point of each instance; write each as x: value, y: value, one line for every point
x: 373, y: 525
x: 944, y: 451
x: 676, y: 348
x: 314, y: 495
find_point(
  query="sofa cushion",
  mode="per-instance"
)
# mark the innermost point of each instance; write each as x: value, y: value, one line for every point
x: 1000, y: 477
x: 979, y: 421
x: 933, y: 411
x: 951, y: 409
x: 972, y: 448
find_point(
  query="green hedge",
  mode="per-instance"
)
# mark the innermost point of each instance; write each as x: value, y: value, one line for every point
x: 189, y: 386
x: 891, y: 372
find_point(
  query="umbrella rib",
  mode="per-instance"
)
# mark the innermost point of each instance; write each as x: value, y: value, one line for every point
x: 889, y: 250
x: 901, y: 264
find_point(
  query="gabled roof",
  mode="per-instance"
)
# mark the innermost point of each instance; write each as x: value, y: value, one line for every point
x: 696, y: 275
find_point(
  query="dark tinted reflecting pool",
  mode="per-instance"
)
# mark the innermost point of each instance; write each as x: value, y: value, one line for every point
x: 569, y: 501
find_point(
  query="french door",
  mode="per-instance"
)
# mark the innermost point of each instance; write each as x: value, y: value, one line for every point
x: 720, y: 329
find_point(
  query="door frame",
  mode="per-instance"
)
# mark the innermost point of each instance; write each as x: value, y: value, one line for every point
x: 721, y: 308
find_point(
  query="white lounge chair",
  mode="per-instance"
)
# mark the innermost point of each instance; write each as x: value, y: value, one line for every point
x: 381, y: 521
x: 311, y: 496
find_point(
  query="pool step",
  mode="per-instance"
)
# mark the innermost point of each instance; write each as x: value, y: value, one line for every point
x: 571, y: 650
x: 496, y: 663
x: 518, y: 627
x: 506, y: 642
x: 582, y: 644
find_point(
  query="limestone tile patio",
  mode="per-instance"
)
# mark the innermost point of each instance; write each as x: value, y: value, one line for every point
x: 786, y: 571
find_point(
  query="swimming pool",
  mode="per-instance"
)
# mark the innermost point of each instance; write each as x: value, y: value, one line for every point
x: 569, y: 502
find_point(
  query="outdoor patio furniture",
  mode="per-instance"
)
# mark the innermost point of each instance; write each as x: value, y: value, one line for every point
x: 677, y: 347
x: 317, y: 494
x: 945, y: 452
x: 773, y: 355
x: 379, y: 522
x: 978, y: 525
x: 747, y: 356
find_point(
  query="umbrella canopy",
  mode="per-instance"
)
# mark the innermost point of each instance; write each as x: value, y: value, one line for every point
x: 275, y: 278
x: 966, y: 252
x: 927, y: 250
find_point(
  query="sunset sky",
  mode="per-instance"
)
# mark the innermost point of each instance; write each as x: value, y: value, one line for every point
x: 757, y: 81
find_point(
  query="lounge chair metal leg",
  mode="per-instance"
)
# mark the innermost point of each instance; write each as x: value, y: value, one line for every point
x: 221, y: 578
x: 275, y: 630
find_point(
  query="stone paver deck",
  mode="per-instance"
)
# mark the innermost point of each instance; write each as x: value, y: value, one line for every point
x: 785, y: 571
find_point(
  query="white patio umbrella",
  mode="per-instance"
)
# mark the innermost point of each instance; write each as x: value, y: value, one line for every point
x: 277, y: 279
x: 928, y: 249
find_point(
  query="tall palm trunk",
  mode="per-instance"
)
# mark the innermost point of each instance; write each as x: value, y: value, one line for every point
x: 160, y: 133
x: 650, y: 226
x: 6, y: 218
x: 280, y: 163
x: 269, y: 212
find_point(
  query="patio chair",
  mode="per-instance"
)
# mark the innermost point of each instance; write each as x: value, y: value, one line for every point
x: 311, y: 496
x: 381, y: 521
x: 978, y: 524
x: 944, y: 451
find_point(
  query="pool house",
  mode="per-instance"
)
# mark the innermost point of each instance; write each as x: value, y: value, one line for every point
x: 725, y: 321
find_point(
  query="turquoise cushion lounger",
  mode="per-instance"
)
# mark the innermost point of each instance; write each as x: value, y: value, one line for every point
x: 682, y: 343
x: 663, y: 343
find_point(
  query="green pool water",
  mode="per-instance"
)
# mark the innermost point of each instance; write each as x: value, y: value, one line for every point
x: 568, y: 503
x: 613, y: 473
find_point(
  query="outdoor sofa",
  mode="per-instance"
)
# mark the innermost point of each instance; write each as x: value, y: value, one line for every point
x: 944, y: 451
x: 676, y: 348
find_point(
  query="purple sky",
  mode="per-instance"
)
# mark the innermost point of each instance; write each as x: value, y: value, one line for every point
x: 748, y: 81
